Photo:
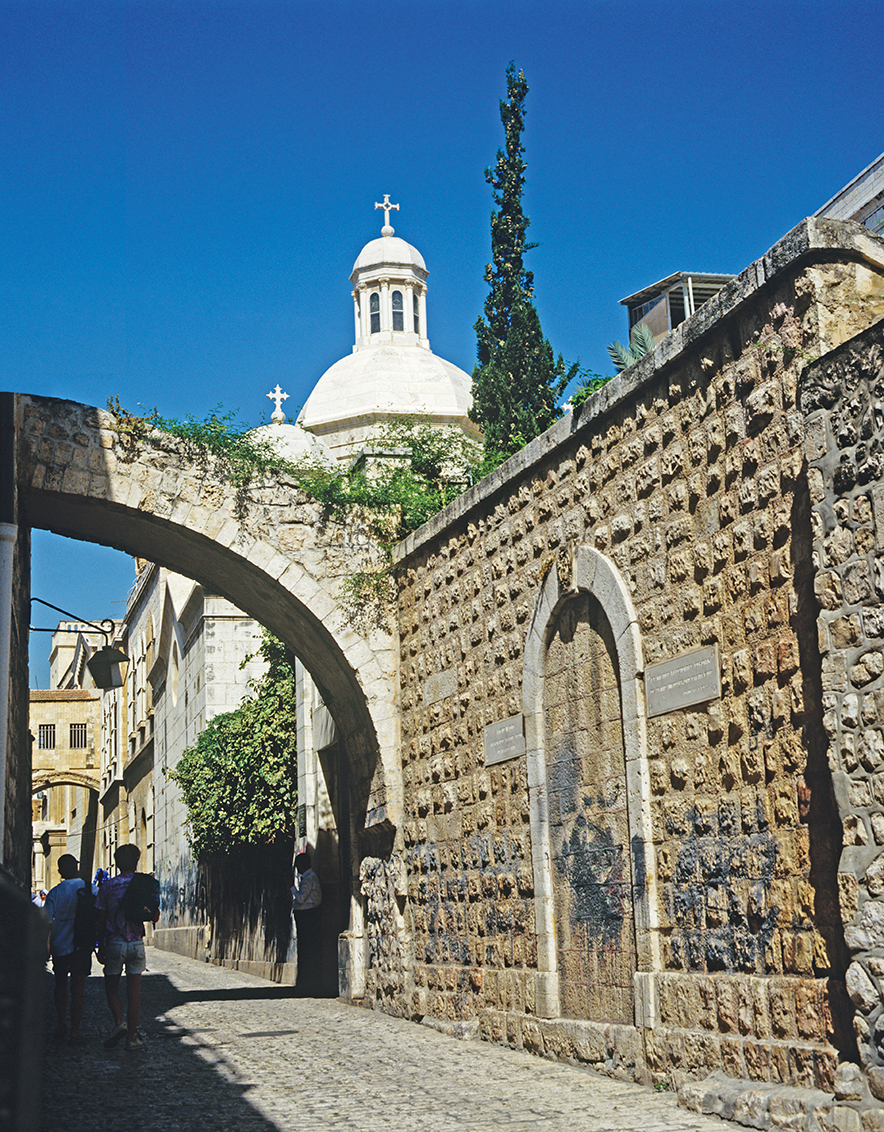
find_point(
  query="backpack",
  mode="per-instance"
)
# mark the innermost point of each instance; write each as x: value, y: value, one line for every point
x: 141, y: 900
x: 85, y: 920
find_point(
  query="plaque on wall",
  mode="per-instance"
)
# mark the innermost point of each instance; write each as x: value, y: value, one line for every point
x: 440, y: 685
x: 504, y: 740
x: 682, y: 681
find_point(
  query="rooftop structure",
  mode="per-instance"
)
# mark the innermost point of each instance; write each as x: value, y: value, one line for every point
x: 664, y: 305
x: 862, y: 199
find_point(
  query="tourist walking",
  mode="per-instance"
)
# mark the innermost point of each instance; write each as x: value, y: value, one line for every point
x: 68, y: 961
x: 121, y: 945
x: 307, y: 897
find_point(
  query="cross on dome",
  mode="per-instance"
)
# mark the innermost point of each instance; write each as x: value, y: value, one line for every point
x: 278, y: 416
x: 387, y: 229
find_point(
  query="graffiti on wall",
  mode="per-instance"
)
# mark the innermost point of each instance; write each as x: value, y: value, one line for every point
x: 589, y: 826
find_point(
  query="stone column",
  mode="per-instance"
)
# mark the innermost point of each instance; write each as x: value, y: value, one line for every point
x: 409, y: 307
x: 422, y: 311
x: 386, y: 314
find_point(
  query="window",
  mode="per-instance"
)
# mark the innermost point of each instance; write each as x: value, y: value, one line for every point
x: 398, y: 311
x: 417, y: 317
x: 875, y: 220
x: 374, y: 309
x: 78, y: 735
x: 46, y: 736
x: 639, y: 312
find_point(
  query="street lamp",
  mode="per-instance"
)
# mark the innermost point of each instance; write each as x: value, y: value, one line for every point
x: 104, y: 665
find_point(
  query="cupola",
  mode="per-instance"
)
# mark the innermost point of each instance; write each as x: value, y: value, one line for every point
x: 389, y: 290
x: 391, y: 371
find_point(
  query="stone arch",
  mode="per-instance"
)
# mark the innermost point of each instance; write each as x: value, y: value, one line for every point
x: 584, y: 569
x: 46, y: 779
x: 268, y: 550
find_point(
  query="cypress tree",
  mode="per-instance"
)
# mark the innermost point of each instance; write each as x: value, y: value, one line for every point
x: 517, y: 383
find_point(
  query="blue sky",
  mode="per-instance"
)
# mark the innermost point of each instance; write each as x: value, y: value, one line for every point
x: 186, y: 185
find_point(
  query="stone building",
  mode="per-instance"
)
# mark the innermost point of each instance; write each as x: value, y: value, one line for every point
x: 185, y: 649
x: 66, y: 725
x: 65, y: 730
x: 609, y: 790
x: 606, y: 856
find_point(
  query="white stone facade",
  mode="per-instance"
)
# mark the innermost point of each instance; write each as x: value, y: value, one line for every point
x: 392, y: 372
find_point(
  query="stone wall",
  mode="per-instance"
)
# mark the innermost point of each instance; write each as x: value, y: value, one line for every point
x: 672, y: 514
x: 841, y: 396
x: 17, y: 829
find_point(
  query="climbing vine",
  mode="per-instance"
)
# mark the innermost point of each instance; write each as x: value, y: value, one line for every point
x: 239, y: 780
x: 590, y: 383
x: 410, y: 469
x: 219, y: 440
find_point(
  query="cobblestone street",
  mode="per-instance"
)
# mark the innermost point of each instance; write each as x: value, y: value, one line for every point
x: 227, y: 1051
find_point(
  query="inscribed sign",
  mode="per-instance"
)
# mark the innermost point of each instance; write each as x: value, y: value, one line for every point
x: 504, y: 740
x: 692, y: 678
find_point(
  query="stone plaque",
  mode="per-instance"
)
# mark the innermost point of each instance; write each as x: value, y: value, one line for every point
x: 504, y: 740
x: 692, y: 678
x: 440, y: 685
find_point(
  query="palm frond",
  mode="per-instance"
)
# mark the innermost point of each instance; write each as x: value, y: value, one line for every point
x: 643, y: 338
x: 619, y: 355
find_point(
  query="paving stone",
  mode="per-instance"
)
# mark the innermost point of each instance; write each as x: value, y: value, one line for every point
x: 225, y: 1052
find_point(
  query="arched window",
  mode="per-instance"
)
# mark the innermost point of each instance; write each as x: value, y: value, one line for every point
x: 374, y: 310
x: 398, y: 311
x: 417, y: 317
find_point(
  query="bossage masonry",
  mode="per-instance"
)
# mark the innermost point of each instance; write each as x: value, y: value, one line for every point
x: 677, y: 893
x: 615, y: 782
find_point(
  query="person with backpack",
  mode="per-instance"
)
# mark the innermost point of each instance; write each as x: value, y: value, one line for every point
x: 68, y: 960
x: 307, y: 897
x: 124, y: 903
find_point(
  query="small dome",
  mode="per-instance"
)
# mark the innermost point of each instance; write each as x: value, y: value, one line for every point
x: 388, y: 250
x: 386, y: 381
x: 293, y: 443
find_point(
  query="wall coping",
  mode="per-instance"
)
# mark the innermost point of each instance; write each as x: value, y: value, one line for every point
x: 814, y: 237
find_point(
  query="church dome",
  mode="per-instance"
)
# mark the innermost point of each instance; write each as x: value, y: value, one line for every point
x: 292, y: 443
x: 390, y: 380
x: 388, y: 250
x: 289, y: 441
x: 392, y: 372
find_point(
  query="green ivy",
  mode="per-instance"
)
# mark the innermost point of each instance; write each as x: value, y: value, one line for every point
x: 413, y: 468
x: 590, y: 384
x: 239, y: 780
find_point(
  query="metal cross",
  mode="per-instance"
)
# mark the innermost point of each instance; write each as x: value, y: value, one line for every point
x: 278, y: 396
x: 386, y: 206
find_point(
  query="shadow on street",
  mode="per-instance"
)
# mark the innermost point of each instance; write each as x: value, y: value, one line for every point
x: 178, y: 1082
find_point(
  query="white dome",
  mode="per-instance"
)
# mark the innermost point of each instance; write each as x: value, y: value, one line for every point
x: 389, y: 380
x: 293, y: 443
x: 388, y: 250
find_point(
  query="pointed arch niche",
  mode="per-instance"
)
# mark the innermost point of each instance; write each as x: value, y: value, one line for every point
x: 580, y: 573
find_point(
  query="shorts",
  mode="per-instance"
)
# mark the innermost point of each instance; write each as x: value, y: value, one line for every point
x: 77, y: 963
x: 128, y: 953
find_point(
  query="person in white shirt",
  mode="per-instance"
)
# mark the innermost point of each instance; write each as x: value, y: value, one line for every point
x: 61, y: 907
x: 307, y: 894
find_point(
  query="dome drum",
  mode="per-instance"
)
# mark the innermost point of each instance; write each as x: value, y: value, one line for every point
x: 389, y: 294
x: 391, y: 372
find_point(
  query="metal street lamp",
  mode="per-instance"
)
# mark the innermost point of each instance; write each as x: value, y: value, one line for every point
x: 104, y: 665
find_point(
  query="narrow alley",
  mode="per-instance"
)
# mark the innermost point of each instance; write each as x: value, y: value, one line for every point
x: 227, y: 1052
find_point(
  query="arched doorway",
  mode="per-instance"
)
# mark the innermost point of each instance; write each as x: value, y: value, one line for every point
x: 588, y: 816
x: 583, y: 702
